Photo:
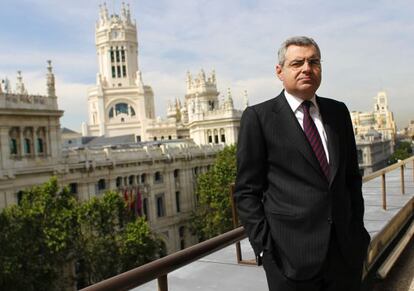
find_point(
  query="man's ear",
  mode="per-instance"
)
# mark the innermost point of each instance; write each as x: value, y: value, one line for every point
x: 279, y: 72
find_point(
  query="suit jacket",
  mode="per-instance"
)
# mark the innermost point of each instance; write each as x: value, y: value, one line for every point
x: 286, y: 204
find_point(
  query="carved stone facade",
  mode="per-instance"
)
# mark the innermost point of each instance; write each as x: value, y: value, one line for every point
x: 163, y: 173
x: 121, y: 103
x: 380, y: 119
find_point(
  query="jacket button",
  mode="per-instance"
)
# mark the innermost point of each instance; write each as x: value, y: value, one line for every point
x: 330, y: 220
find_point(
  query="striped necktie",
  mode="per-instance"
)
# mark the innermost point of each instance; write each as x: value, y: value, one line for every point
x: 314, y: 138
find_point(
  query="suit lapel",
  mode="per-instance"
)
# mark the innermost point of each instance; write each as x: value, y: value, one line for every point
x: 289, y: 127
x: 332, y: 135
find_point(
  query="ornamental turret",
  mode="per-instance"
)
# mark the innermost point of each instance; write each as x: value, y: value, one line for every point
x: 117, y: 48
x: 50, y: 80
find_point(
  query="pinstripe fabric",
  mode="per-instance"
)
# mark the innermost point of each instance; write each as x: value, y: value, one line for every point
x: 314, y: 138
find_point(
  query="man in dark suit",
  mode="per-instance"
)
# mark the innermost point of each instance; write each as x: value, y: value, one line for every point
x: 298, y: 186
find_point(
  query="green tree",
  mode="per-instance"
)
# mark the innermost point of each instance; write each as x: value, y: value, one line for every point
x: 213, y: 212
x: 38, y: 238
x: 403, y: 151
x: 49, y: 231
x: 113, y: 241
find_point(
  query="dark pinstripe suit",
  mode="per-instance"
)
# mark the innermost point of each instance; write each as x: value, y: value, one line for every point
x: 285, y: 203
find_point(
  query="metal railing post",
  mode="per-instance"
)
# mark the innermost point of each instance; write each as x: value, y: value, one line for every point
x: 402, y: 180
x: 384, y: 193
x: 235, y: 223
x: 162, y: 283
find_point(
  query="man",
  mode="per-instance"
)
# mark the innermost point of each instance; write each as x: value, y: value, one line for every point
x: 298, y: 186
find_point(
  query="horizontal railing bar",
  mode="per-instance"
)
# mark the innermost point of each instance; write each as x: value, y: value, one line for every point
x: 388, y: 169
x: 165, y: 265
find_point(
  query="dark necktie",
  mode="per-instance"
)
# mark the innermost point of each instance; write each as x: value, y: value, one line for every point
x: 314, y: 138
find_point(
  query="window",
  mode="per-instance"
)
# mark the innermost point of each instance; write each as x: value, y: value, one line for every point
x: 14, y: 141
x: 123, y: 55
x: 177, y: 201
x: 176, y: 173
x: 27, y: 146
x: 118, y: 182
x: 13, y: 146
x: 169, y: 137
x: 101, y: 185
x: 73, y: 188
x: 143, y: 178
x: 121, y: 108
x: 118, y: 70
x: 145, y: 207
x: 40, y: 140
x: 131, y: 180
x: 19, y: 197
x: 40, y: 148
x: 117, y: 55
x: 181, y: 234
x: 216, y: 139
x: 113, y: 72
x: 138, y: 138
x: 112, y: 56
x: 157, y: 177
x: 222, y: 135
x: 124, y: 71
x: 160, y: 205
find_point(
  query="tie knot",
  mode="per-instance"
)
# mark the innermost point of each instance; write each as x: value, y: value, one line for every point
x: 307, y: 104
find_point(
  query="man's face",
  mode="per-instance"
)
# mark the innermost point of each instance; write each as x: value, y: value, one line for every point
x: 301, y: 73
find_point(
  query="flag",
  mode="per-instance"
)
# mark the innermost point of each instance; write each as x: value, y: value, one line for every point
x: 138, y: 203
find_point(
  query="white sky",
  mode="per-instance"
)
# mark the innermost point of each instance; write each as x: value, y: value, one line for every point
x: 366, y: 46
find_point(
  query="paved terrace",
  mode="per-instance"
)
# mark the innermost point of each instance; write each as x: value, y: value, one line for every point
x: 220, y: 271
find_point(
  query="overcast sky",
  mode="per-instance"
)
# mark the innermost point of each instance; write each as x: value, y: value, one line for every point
x: 367, y: 46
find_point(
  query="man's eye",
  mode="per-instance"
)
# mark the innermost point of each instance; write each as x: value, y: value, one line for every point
x: 315, y: 62
x: 296, y: 64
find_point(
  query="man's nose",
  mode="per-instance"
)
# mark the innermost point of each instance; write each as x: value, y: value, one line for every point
x: 306, y: 67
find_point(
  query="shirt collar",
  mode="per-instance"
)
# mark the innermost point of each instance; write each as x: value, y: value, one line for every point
x: 295, y: 102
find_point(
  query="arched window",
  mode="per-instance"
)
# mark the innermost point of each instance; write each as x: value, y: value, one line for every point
x: 121, y: 108
x: 157, y: 177
x: 222, y: 135
x: 41, y: 140
x: 131, y: 180
x: 101, y: 185
x: 27, y: 141
x: 14, y: 141
x: 118, y: 182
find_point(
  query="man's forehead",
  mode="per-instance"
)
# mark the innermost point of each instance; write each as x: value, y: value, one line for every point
x: 295, y: 50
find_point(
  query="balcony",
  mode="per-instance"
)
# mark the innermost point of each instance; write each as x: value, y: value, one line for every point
x: 218, y: 265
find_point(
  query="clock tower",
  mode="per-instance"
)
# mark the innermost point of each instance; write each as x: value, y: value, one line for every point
x: 120, y: 102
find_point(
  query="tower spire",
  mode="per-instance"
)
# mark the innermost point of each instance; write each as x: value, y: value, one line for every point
x: 51, y: 91
x: 20, y: 89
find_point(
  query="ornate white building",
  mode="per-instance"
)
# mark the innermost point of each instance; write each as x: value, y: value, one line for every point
x: 121, y: 103
x: 380, y: 119
x: 375, y: 135
x: 164, y: 172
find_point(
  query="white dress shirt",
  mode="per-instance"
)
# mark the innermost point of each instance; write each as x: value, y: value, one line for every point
x: 294, y: 103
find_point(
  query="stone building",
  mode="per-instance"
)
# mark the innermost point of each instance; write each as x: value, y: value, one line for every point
x: 375, y: 135
x: 380, y: 119
x: 160, y: 174
x: 373, y: 151
x: 120, y: 103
